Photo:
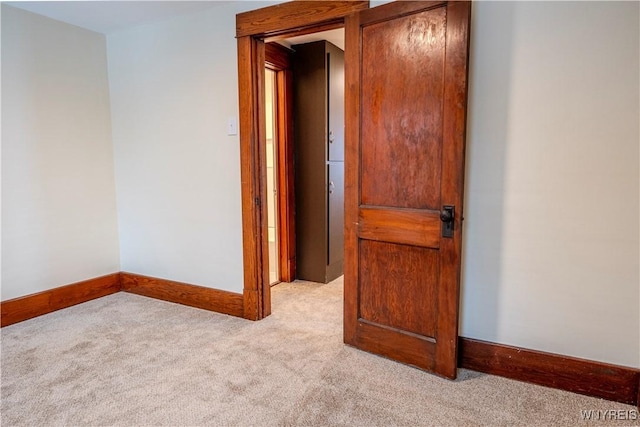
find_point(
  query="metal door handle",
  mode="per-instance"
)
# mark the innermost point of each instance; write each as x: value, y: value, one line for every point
x: 447, y: 216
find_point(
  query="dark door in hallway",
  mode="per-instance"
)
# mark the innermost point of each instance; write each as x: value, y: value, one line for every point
x: 406, y: 85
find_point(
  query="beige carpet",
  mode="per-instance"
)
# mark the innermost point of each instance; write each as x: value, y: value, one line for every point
x: 129, y: 360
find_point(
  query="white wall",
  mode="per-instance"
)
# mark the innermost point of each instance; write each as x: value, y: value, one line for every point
x: 173, y: 87
x: 58, y: 200
x: 551, y: 231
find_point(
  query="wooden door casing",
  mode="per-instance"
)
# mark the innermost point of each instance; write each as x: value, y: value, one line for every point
x: 253, y: 28
x: 406, y: 77
x: 277, y: 58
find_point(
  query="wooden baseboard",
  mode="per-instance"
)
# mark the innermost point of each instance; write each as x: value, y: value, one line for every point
x: 183, y: 293
x: 611, y: 382
x: 27, y: 307
x: 30, y: 306
x: 250, y: 303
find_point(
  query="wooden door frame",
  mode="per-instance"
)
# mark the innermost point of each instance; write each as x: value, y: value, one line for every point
x: 277, y: 59
x: 253, y: 28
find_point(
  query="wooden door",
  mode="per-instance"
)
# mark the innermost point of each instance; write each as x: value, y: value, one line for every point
x: 406, y: 83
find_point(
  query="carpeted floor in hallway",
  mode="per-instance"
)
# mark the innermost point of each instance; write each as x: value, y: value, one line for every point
x: 127, y: 360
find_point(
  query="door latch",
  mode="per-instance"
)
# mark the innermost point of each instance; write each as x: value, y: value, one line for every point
x: 447, y: 216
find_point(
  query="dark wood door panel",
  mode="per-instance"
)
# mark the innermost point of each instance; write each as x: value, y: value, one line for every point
x: 385, y: 299
x: 408, y: 226
x: 402, y: 107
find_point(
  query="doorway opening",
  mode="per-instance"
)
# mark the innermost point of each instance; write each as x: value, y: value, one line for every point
x: 315, y: 65
x: 254, y: 33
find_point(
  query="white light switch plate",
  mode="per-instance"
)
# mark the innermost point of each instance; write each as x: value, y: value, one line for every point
x: 232, y: 126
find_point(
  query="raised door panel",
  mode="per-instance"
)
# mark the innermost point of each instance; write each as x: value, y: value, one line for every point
x: 401, y: 121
